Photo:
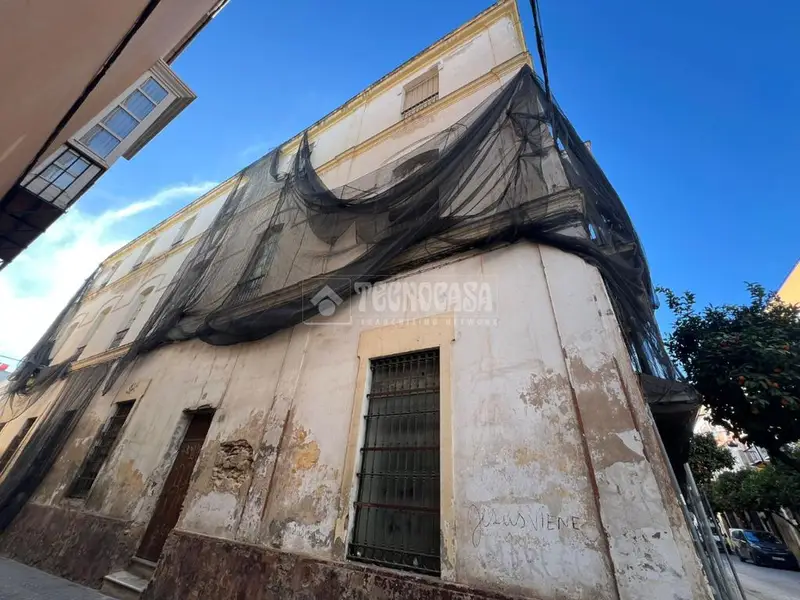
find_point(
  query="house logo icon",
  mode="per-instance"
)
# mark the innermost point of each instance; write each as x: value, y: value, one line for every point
x: 326, y: 301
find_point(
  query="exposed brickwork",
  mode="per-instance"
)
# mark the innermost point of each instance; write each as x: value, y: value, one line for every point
x: 195, y: 567
x: 78, y: 546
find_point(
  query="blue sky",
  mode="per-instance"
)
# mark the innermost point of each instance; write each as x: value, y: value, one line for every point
x: 690, y: 107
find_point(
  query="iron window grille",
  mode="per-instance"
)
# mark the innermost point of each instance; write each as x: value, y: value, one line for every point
x: 54, y: 180
x: 100, y: 452
x: 250, y: 284
x: 15, y: 443
x: 121, y: 120
x: 396, y: 521
x: 420, y: 94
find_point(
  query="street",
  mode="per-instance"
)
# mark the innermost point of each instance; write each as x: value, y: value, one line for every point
x: 765, y: 583
x: 20, y: 582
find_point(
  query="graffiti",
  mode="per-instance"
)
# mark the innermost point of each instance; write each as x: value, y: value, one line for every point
x: 523, y: 518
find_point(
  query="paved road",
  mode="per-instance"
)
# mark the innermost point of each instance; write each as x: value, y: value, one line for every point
x: 20, y: 582
x: 765, y: 583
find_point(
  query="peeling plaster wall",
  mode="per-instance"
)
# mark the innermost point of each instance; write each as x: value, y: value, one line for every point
x: 559, y: 489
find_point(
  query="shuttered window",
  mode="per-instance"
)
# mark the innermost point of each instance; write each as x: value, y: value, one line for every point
x: 396, y: 520
x: 100, y: 452
x: 421, y: 93
x: 257, y: 268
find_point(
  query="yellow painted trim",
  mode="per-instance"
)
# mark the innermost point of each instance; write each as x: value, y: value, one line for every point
x: 431, y: 332
x: 466, y: 90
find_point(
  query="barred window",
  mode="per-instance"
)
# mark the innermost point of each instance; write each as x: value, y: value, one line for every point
x: 253, y: 277
x: 100, y: 452
x: 421, y: 93
x: 396, y: 520
x: 15, y: 443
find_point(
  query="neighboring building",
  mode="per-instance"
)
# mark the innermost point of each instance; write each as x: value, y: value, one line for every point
x: 745, y: 456
x: 57, y: 136
x: 371, y: 449
x: 789, y: 291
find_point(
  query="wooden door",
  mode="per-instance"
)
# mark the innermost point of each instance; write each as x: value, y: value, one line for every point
x: 170, y: 503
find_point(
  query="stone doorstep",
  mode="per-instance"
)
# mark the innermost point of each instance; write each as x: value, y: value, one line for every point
x: 142, y: 568
x: 124, y: 585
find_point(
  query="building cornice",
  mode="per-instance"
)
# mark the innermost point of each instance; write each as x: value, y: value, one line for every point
x: 434, y: 52
x: 103, y: 357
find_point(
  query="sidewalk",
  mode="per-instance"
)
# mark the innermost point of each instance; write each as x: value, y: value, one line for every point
x: 20, y: 582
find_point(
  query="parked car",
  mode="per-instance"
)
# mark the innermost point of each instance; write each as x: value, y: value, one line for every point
x: 762, y: 548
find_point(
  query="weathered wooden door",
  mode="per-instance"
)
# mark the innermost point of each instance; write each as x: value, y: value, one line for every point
x: 170, y: 503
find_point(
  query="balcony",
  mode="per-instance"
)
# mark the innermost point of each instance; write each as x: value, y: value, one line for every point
x: 27, y: 210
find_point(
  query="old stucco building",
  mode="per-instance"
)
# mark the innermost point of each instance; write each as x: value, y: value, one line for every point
x: 490, y: 442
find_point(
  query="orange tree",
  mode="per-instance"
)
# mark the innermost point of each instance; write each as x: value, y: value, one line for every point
x: 706, y: 459
x: 744, y: 360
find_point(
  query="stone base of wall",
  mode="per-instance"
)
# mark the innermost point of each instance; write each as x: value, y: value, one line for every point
x: 75, y: 545
x: 196, y: 567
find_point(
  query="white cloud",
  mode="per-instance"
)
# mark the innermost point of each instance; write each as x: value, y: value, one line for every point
x: 37, y: 285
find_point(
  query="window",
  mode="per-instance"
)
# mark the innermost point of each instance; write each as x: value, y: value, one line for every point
x: 396, y: 521
x: 92, y: 330
x: 421, y: 93
x: 185, y: 227
x: 15, y: 443
x: 51, y: 183
x: 105, y: 277
x: 123, y: 119
x: 137, y: 308
x: 143, y: 254
x: 62, y: 339
x: 100, y: 452
x: 253, y: 277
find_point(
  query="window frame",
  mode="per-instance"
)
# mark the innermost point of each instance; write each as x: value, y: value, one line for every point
x: 183, y: 231
x: 101, y: 125
x: 144, y: 253
x: 425, y: 478
x: 63, y: 170
x: 408, y: 110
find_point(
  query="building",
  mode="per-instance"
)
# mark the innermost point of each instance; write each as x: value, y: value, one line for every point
x: 80, y: 97
x: 789, y: 291
x: 377, y: 363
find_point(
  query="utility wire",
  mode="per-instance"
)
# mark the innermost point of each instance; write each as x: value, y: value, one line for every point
x: 537, y: 26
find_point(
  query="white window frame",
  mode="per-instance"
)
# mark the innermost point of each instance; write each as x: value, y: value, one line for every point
x: 142, y: 124
x: 183, y: 231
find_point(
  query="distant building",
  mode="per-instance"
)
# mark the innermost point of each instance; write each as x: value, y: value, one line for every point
x: 57, y: 136
x: 789, y: 291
